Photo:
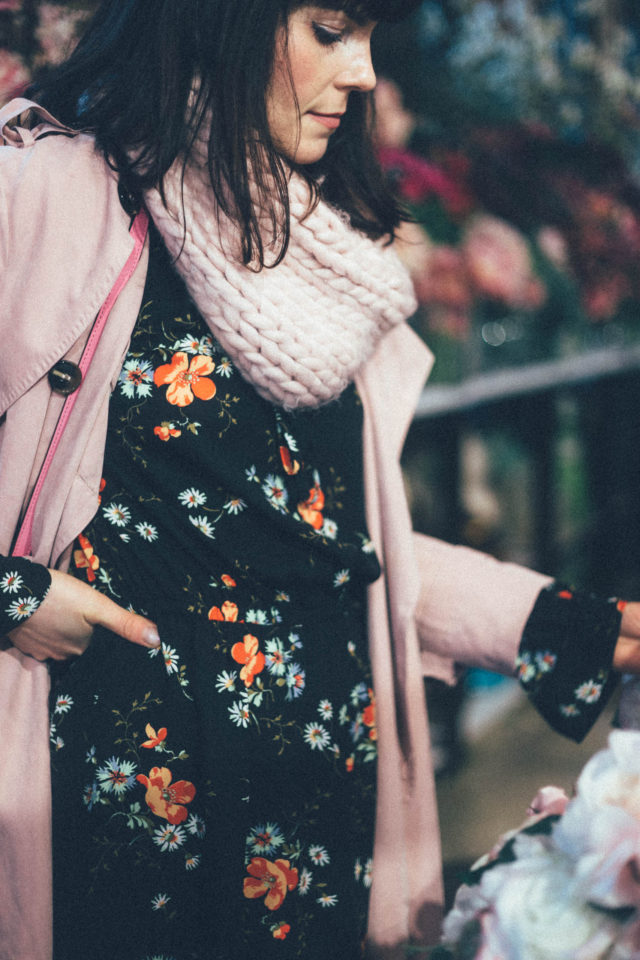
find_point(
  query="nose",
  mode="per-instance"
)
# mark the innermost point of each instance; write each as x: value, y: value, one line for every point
x: 358, y: 73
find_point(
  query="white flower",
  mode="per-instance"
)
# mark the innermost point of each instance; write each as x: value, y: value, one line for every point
x: 136, y: 378
x: 235, y: 505
x: 327, y: 900
x: 316, y: 736
x: 225, y: 367
x: 117, y: 776
x: 147, y: 531
x: 325, y: 709
x: 240, y: 714
x: 536, y: 911
x: 159, y: 901
x: 329, y: 529
x: 22, y: 608
x: 203, y: 525
x: 117, y: 515
x: 341, y: 577
x: 192, y: 861
x: 196, y: 825
x: 251, y: 474
x: 192, y: 497
x: 319, y: 855
x: 169, y: 838
x: 589, y: 691
x: 256, y: 616
x: 63, y: 704
x: 11, y: 582
x: 170, y: 657
x: 275, y: 492
x: 304, y: 882
x: 226, y: 681
x: 202, y: 345
x: 368, y: 873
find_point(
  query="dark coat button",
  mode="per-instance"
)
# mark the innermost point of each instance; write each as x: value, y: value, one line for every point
x: 65, y: 377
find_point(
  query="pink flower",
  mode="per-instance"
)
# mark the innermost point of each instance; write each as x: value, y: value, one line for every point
x: 500, y: 265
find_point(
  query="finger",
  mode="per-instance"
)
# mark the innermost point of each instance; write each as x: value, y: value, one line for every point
x: 127, y: 624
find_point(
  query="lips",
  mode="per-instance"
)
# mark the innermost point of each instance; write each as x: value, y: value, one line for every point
x: 329, y: 120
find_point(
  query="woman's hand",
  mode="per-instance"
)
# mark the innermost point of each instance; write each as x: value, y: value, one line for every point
x: 626, y: 656
x: 63, y: 624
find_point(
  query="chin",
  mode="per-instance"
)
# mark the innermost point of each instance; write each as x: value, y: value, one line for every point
x: 310, y: 154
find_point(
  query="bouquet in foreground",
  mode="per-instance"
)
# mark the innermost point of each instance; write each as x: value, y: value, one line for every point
x: 566, y: 884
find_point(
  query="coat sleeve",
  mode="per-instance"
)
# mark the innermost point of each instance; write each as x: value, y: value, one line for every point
x: 472, y: 609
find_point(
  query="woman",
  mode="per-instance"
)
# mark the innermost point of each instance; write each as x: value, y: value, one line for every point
x: 223, y: 784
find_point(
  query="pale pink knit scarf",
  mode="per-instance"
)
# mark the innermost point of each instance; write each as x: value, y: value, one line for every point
x: 298, y: 332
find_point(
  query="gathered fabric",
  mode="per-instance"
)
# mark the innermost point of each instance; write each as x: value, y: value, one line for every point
x: 298, y: 332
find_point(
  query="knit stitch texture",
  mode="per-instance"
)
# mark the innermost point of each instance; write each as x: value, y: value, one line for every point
x: 298, y: 332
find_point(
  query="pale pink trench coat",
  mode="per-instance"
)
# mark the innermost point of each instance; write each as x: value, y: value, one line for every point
x: 63, y: 241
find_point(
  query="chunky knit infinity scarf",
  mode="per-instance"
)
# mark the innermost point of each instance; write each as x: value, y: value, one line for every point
x: 298, y: 332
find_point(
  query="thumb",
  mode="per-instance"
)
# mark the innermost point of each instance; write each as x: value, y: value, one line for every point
x: 127, y: 624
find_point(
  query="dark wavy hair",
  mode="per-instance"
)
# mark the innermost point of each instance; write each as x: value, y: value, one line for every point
x: 130, y: 82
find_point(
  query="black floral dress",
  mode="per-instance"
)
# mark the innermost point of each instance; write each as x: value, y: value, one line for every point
x: 215, y: 798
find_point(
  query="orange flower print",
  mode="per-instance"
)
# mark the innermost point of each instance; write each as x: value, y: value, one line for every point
x: 290, y: 465
x: 369, y: 717
x: 85, y: 558
x: 227, y: 580
x: 103, y: 484
x: 311, y: 509
x: 186, y: 380
x: 229, y: 612
x: 248, y: 654
x: 164, y: 798
x: 269, y: 880
x: 281, y: 930
x: 166, y: 430
x: 155, y: 739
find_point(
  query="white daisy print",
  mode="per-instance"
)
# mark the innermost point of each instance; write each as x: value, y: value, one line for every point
x: 235, y: 505
x: 169, y: 838
x: 170, y: 657
x: 11, y: 582
x: 192, y: 861
x: 329, y: 529
x: 202, y: 524
x: 225, y: 367
x: 147, y: 531
x: 368, y: 873
x: 589, y: 691
x: 160, y: 901
x: 304, y: 883
x: 275, y: 492
x: 316, y: 736
x: 63, y: 704
x: 341, y: 577
x: 240, y: 714
x: 196, y: 825
x: 117, y: 515
x: 226, y: 681
x: 319, y: 855
x: 325, y: 709
x: 327, y: 900
x: 256, y: 616
x: 192, y: 497
x: 22, y: 608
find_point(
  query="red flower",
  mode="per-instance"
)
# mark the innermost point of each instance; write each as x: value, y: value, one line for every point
x: 269, y: 880
x: 281, y: 930
x: 248, y: 654
x: 165, y: 430
x: 228, y: 612
x: 85, y: 558
x: 164, y: 798
x: 186, y: 380
x: 155, y: 739
x: 311, y: 509
x: 227, y: 580
x: 290, y: 465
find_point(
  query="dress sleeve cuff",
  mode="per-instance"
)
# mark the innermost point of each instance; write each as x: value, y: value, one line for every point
x: 566, y: 655
x: 23, y: 587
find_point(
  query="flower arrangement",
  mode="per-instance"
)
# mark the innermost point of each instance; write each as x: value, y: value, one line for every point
x: 566, y: 884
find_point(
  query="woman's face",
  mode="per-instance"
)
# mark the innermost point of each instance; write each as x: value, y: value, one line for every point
x: 327, y: 57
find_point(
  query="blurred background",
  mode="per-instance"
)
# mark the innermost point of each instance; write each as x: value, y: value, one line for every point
x: 512, y: 130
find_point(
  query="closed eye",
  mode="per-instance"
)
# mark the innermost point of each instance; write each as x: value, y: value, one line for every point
x: 325, y: 36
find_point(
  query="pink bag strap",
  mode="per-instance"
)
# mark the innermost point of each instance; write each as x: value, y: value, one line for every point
x: 138, y: 231
x: 21, y: 136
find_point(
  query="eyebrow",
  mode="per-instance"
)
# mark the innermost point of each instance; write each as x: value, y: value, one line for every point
x: 354, y: 9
